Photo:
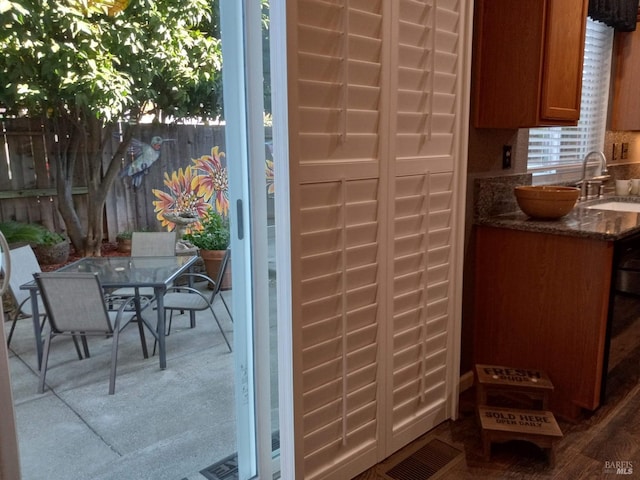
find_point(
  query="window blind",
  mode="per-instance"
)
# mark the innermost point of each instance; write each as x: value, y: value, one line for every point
x: 556, y: 153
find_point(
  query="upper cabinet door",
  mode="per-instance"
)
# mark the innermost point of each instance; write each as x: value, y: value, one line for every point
x: 563, y: 59
x: 625, y: 112
x: 528, y: 62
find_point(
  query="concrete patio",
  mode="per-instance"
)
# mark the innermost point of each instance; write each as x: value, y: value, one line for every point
x: 160, y: 424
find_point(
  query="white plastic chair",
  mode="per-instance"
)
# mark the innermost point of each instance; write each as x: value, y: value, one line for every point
x: 25, y: 264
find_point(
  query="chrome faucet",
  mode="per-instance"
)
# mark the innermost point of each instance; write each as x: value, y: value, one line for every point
x: 603, y: 176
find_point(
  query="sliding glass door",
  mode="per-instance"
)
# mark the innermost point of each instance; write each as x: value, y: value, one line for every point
x: 251, y: 194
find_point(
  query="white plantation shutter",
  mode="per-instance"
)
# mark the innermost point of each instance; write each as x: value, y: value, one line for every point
x: 425, y: 57
x: 339, y: 65
x: 339, y: 323
x: 335, y: 239
x: 374, y: 123
x: 556, y: 153
x: 421, y: 306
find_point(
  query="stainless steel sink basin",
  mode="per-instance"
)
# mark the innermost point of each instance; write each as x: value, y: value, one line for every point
x: 617, y: 206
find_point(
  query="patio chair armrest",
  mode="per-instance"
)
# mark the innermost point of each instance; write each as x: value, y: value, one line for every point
x: 182, y: 289
x: 28, y: 299
x: 201, y: 276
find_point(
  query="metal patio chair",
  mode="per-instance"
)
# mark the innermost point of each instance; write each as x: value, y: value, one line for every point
x: 145, y: 244
x: 75, y: 305
x: 148, y: 244
x: 26, y: 264
x: 153, y: 244
x: 187, y: 298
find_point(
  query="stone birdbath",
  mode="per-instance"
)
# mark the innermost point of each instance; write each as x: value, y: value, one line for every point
x: 181, y: 220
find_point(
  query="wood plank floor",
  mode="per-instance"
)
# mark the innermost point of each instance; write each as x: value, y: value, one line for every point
x: 587, y: 450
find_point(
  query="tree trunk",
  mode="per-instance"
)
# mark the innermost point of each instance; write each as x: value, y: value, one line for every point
x: 59, y: 132
x: 84, y: 139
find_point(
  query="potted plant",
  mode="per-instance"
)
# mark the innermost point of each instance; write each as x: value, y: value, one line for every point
x: 123, y: 239
x: 52, y: 249
x: 213, y: 240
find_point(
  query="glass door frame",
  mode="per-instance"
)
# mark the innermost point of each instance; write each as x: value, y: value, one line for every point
x: 245, y: 143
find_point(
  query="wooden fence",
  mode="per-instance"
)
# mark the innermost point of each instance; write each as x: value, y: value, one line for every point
x: 27, y: 183
x: 131, y: 208
x: 27, y: 175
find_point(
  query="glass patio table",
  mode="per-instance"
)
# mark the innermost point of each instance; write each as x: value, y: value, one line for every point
x: 124, y: 272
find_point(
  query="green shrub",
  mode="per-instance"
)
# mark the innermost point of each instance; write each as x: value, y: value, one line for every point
x: 125, y: 235
x: 214, y: 235
x: 18, y: 232
x: 51, y: 238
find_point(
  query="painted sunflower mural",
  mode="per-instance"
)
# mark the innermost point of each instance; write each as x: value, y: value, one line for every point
x: 192, y: 190
x: 182, y: 198
x: 212, y: 179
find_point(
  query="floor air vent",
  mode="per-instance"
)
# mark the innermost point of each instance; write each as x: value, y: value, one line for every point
x: 227, y: 468
x: 425, y: 462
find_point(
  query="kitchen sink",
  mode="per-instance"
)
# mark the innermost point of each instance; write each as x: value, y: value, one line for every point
x: 617, y: 206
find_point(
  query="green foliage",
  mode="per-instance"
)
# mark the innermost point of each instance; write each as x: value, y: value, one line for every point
x: 125, y: 235
x: 33, y: 234
x: 17, y: 232
x: 214, y: 235
x: 80, y: 71
x: 63, y: 57
x: 51, y: 238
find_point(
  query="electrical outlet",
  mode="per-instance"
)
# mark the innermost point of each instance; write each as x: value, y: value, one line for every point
x: 624, y: 151
x: 506, y: 157
x: 614, y: 153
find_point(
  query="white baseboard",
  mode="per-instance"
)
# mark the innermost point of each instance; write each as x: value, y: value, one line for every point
x: 466, y: 381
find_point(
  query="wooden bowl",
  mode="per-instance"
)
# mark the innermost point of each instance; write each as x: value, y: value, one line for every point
x: 546, y: 201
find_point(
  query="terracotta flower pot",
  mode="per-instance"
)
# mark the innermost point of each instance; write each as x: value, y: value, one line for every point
x: 212, y: 260
x: 124, y: 245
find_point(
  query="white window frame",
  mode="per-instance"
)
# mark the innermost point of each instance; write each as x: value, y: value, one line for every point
x: 555, y: 154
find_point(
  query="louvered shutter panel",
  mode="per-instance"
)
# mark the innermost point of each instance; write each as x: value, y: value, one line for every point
x: 337, y: 119
x: 372, y: 123
x: 339, y: 321
x: 426, y: 56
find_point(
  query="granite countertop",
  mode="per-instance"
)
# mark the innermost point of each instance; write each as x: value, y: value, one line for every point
x: 580, y: 222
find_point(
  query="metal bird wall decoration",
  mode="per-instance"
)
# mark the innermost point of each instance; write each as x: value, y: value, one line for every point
x: 142, y: 156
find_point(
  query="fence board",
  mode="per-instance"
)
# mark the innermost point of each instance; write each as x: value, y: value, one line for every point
x: 40, y: 157
x: 20, y: 155
x: 5, y: 177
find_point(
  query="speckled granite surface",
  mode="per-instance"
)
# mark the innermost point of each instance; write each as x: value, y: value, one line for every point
x: 494, y: 195
x: 496, y: 206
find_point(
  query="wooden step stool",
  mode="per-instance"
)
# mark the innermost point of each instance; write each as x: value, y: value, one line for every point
x: 504, y: 424
x: 494, y: 379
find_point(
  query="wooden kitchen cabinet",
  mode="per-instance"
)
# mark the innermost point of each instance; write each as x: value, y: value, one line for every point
x: 625, y: 110
x: 528, y: 59
x: 542, y: 303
